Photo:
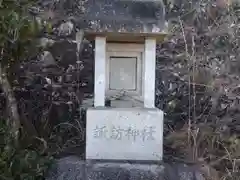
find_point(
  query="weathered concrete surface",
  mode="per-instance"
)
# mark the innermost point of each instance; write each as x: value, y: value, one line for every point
x: 131, y: 134
x: 72, y: 168
x: 124, y: 16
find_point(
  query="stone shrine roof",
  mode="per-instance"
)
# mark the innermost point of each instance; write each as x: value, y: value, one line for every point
x: 115, y: 17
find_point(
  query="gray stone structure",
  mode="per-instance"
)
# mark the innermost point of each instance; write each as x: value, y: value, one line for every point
x: 132, y: 133
x: 139, y: 17
x: 125, y: 34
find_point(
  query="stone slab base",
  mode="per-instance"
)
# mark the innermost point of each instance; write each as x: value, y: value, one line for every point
x: 124, y: 134
x: 72, y: 168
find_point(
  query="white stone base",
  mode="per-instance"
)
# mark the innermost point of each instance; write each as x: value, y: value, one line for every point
x: 124, y: 134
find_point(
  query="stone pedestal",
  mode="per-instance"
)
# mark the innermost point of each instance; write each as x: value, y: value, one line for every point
x: 72, y: 168
x: 124, y: 134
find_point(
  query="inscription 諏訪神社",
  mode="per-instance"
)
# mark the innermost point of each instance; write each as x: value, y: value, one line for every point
x: 124, y: 134
x: 119, y: 133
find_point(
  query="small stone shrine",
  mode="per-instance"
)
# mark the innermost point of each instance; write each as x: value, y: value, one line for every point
x: 125, y: 33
